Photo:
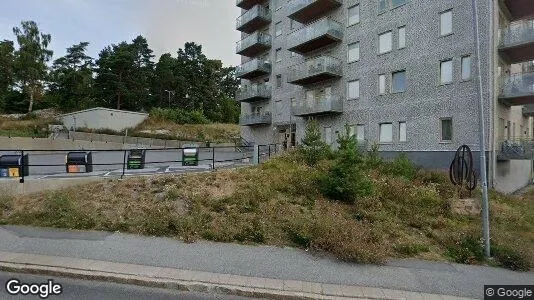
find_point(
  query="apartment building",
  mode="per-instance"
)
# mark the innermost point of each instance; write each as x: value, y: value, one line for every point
x: 400, y: 73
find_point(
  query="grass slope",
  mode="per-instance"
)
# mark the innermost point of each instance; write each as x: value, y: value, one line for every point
x: 278, y: 203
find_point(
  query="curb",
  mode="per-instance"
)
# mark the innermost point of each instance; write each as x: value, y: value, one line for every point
x: 196, y: 281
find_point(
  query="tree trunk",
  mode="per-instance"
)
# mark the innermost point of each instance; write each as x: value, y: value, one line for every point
x: 31, y: 101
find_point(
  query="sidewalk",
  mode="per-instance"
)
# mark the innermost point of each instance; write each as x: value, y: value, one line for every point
x: 237, y: 269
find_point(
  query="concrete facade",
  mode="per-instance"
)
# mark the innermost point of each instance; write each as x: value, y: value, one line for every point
x: 103, y: 118
x: 424, y: 101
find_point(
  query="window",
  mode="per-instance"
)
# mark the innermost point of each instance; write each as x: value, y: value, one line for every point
x: 293, y: 103
x: 381, y: 84
x: 279, y: 80
x: 446, y: 130
x: 278, y: 29
x: 402, y: 37
x: 445, y: 24
x: 354, y: 15
x: 360, y: 132
x: 277, y: 55
x: 398, y: 82
x: 278, y: 4
x: 354, y: 52
x: 382, y: 5
x: 395, y: 3
x: 466, y: 67
x: 291, y: 24
x: 446, y: 72
x: 353, y: 88
x: 402, y: 131
x: 386, y: 133
x: 384, y: 42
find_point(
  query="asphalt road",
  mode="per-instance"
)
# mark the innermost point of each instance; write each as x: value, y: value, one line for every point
x: 109, y: 163
x: 77, y: 289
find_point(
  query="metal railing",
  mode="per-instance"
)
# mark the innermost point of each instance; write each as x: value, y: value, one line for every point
x: 257, y: 11
x: 517, y: 85
x: 322, y: 27
x: 42, y: 164
x: 253, y: 39
x: 256, y: 64
x: 516, y: 148
x: 315, y: 66
x: 298, y: 5
x: 517, y: 33
x: 249, y: 91
x: 255, y: 119
x: 318, y: 105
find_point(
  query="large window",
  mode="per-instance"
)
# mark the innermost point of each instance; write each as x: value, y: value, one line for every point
x: 384, y: 5
x: 446, y: 72
x: 384, y: 42
x: 353, y: 89
x: 402, y: 131
x: 381, y: 84
x: 277, y: 55
x: 446, y: 130
x: 386, y: 133
x: 445, y: 25
x: 354, y: 15
x: 354, y: 52
x: 402, y: 37
x: 398, y: 82
x: 466, y: 67
x: 360, y: 132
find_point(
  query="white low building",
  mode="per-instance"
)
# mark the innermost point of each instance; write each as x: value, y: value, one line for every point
x: 103, y: 118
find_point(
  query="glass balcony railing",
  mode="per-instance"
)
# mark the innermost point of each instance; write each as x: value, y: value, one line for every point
x: 314, y: 70
x: 517, y: 148
x: 318, y: 105
x: 528, y: 110
x: 253, y: 43
x: 518, y: 33
x: 517, y: 85
x: 253, y: 68
x: 255, y: 119
x: 316, y: 35
x: 253, y: 19
x: 253, y: 92
x: 305, y: 10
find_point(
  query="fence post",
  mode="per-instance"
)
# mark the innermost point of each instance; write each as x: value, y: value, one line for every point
x: 124, y: 165
x: 256, y: 155
x: 22, y: 163
x: 269, y: 150
x: 213, y: 157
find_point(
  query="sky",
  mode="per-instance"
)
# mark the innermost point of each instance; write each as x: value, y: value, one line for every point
x: 167, y: 24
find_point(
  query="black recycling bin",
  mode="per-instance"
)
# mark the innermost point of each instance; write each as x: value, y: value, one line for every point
x: 136, y: 159
x: 14, y: 165
x: 79, y: 162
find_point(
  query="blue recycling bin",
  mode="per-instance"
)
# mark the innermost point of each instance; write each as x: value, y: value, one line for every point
x: 4, y: 172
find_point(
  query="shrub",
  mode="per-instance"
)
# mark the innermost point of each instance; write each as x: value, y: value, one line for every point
x: 373, y: 159
x: 509, y: 258
x: 179, y: 116
x: 313, y: 149
x: 401, y: 166
x: 467, y: 250
x: 345, y: 181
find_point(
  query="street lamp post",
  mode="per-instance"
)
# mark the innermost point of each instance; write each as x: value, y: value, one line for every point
x: 170, y: 93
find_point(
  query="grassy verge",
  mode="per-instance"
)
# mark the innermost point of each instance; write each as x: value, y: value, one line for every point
x: 279, y: 203
x: 31, y: 127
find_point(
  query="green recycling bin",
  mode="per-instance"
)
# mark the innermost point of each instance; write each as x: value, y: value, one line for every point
x: 136, y: 159
x: 190, y: 155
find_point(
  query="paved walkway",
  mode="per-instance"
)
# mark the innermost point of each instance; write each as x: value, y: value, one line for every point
x: 239, y: 269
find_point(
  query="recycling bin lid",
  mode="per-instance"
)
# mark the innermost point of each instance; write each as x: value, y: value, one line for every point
x: 190, y: 151
x: 190, y: 146
x: 10, y: 160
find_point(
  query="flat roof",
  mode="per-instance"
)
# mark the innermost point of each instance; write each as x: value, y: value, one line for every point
x: 106, y: 109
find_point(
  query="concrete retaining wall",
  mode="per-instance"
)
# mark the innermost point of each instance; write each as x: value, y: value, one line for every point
x: 13, y: 187
x: 513, y: 175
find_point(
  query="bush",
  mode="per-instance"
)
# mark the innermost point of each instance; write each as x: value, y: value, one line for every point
x: 509, y: 258
x: 373, y: 159
x: 401, y: 166
x: 345, y: 181
x: 179, y: 116
x: 468, y: 250
x: 313, y: 149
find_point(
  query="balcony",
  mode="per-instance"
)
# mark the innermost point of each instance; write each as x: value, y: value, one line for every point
x: 517, y: 42
x: 253, y: 44
x: 303, y: 11
x: 318, y: 34
x: 247, y: 4
x: 517, y: 89
x: 528, y: 111
x: 252, y: 69
x: 255, y: 119
x: 521, y: 149
x: 519, y: 9
x: 326, y: 104
x: 253, y: 92
x: 315, y: 70
x: 254, y: 19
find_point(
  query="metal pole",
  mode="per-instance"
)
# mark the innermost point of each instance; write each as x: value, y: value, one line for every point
x: 21, y: 170
x: 482, y: 135
x: 123, y: 165
x: 213, y: 157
